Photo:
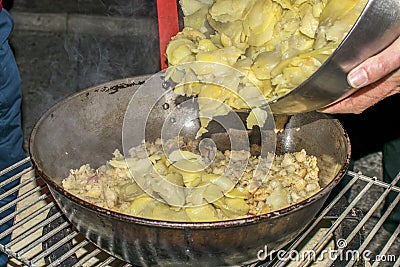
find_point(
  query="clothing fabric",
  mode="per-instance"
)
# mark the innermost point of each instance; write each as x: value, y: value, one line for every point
x: 391, y: 167
x: 11, y: 135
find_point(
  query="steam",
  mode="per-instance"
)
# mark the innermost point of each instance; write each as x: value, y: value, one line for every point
x: 133, y: 8
x: 107, y: 52
x: 87, y: 54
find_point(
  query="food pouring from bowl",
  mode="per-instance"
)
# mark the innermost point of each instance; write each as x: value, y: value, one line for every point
x: 299, y: 69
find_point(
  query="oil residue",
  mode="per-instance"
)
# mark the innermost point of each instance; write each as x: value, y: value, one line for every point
x: 115, y: 88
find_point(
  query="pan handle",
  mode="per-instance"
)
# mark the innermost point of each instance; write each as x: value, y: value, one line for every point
x: 168, y: 26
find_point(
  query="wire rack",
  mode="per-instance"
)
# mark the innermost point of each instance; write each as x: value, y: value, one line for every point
x: 349, y: 230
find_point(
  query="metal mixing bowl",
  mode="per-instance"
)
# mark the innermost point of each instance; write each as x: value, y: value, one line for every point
x: 376, y: 28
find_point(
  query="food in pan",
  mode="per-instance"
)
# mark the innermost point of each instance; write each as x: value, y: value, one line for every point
x: 182, y: 181
x: 275, y: 45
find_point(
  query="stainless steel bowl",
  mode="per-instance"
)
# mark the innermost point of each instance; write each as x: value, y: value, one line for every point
x: 376, y: 28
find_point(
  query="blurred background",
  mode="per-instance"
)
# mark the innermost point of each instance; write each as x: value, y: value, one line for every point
x: 62, y: 47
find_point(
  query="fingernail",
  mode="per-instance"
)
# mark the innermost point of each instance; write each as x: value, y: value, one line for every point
x: 357, y: 78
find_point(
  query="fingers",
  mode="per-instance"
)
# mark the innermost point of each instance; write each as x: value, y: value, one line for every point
x: 378, y: 77
x: 376, y: 67
x: 367, y: 96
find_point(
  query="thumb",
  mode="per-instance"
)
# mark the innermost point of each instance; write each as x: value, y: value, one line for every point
x: 376, y: 67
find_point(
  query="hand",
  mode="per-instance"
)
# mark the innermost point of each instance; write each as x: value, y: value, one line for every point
x: 377, y: 77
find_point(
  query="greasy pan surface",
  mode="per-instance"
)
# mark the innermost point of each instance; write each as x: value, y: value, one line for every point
x: 86, y: 128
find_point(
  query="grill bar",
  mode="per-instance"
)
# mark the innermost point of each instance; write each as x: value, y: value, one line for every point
x: 56, y: 246
x: 388, y: 244
x: 285, y: 259
x: 26, y: 219
x: 36, y: 201
x: 32, y: 230
x: 12, y: 179
x: 26, y: 195
x: 375, y: 181
x: 69, y: 253
x: 107, y: 261
x: 376, y: 228
x: 36, y: 242
x: 14, y: 166
x: 397, y: 263
x: 318, y: 247
x: 367, y: 216
x: 7, y: 218
x: 87, y: 257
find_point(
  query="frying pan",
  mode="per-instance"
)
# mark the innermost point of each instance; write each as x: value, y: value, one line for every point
x: 87, y: 128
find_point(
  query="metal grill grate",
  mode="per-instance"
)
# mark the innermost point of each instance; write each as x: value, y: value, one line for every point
x: 347, y: 232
